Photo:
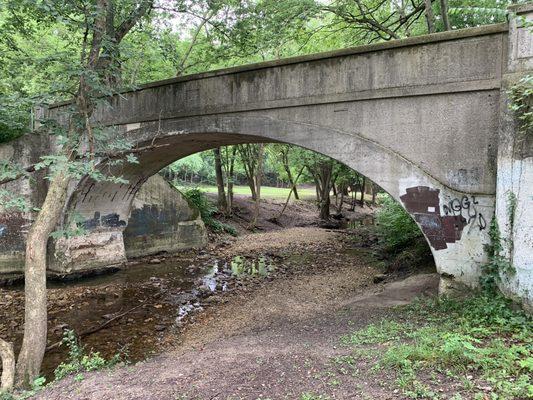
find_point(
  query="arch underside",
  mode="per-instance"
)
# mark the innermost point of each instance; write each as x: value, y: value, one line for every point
x: 456, y: 236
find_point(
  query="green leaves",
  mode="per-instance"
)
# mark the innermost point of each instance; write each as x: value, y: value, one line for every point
x: 14, y: 116
x: 395, y: 226
x: 483, y: 337
x: 521, y: 103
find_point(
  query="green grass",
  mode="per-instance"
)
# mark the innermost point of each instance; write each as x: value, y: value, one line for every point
x: 480, y: 341
x: 267, y: 192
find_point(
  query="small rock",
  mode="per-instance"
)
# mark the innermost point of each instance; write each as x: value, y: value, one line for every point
x: 379, y: 278
x: 160, y: 328
x: 155, y: 261
x: 213, y: 299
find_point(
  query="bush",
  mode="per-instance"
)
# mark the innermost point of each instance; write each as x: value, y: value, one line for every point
x: 207, y: 210
x: 79, y: 362
x: 395, y: 226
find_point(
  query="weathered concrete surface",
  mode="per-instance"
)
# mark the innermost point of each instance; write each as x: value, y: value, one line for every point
x: 419, y: 116
x: 14, y: 225
x: 515, y: 168
x: 162, y: 220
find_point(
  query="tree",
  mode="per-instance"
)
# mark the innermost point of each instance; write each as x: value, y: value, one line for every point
x: 430, y: 17
x: 222, y: 201
x: 320, y: 169
x: 257, y: 183
x: 97, y: 28
x: 444, y: 14
x: 229, y: 157
x: 284, y: 153
x: 249, y: 156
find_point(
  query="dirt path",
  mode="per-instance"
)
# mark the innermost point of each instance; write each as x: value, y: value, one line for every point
x: 277, y: 341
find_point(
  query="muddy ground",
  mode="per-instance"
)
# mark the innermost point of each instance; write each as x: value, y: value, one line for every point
x: 141, y: 310
x: 279, y: 341
x: 257, y: 316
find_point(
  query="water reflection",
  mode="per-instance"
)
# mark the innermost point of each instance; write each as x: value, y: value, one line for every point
x: 241, y: 266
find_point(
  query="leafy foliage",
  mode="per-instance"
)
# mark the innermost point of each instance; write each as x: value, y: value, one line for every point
x: 37, y: 385
x: 499, y: 265
x: 207, y: 211
x: 521, y: 96
x: 14, y: 117
x: 395, y: 226
x: 484, y: 336
x: 79, y: 362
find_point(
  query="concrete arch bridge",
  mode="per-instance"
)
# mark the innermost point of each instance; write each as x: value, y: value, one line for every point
x: 426, y: 118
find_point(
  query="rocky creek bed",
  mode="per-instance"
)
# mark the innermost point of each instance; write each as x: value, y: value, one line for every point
x: 146, y: 307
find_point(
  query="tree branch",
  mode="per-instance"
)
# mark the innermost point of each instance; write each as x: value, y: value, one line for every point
x: 143, y: 9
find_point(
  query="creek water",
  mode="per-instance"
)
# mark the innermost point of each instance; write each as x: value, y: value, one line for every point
x: 133, y: 310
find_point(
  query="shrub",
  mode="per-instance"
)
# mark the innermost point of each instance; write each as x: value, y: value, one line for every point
x: 78, y: 361
x: 395, y: 226
x: 207, y: 210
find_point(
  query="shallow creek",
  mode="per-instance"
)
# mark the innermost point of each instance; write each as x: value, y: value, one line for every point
x: 132, y: 310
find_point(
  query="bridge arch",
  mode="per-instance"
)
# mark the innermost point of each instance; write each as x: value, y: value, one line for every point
x: 457, y: 246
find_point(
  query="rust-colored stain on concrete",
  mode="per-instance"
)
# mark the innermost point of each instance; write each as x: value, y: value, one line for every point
x: 424, y: 204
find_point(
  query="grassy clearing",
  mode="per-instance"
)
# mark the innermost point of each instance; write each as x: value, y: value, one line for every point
x: 478, y: 348
x: 267, y: 192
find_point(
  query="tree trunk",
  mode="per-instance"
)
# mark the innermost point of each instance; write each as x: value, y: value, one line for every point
x: 222, y: 202
x: 287, y: 168
x: 249, y: 158
x: 444, y: 14
x: 251, y: 185
x: 339, y: 207
x: 354, y: 193
x: 363, y: 188
x: 430, y: 17
x: 8, y: 366
x: 229, y: 177
x: 326, y: 169
x: 290, y: 193
x: 324, y: 207
x: 374, y: 191
x: 35, y: 317
x: 257, y: 184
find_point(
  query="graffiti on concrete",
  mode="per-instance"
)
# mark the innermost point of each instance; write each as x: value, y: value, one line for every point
x: 106, y: 221
x: 424, y: 204
x: 466, y: 208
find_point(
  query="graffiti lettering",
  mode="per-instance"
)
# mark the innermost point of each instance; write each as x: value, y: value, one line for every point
x: 466, y: 208
x: 423, y: 203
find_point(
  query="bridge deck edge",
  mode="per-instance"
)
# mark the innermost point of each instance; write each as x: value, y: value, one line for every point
x: 407, y: 42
